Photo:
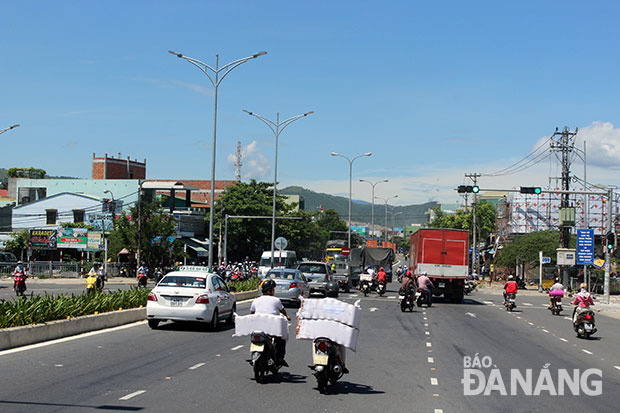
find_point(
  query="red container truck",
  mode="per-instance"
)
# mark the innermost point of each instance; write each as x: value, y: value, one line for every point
x: 443, y: 254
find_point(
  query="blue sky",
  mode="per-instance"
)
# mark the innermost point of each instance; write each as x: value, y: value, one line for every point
x: 433, y: 89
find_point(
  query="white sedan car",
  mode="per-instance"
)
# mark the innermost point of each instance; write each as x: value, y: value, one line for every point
x: 190, y: 294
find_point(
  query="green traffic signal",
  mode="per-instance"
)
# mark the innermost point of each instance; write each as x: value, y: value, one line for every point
x: 475, y: 189
x: 530, y: 190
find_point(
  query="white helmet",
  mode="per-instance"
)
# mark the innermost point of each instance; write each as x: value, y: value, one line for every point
x: 510, y: 277
x: 423, y: 273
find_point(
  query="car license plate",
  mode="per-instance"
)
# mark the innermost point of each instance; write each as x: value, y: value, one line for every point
x: 321, y: 359
x: 588, y: 327
x: 256, y: 347
x: 442, y: 285
x: 283, y: 287
x: 176, y: 302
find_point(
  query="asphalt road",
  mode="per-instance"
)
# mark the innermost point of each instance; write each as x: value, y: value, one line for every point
x: 405, y: 362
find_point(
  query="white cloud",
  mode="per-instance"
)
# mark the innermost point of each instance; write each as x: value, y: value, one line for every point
x: 254, y: 164
x: 193, y: 87
x: 602, y: 144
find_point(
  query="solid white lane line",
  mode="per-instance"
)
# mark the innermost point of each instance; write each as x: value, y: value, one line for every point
x: 527, y: 304
x: 62, y: 340
x: 195, y: 366
x: 432, y: 360
x: 237, y: 347
x: 586, y: 351
x: 134, y: 394
x: 434, y: 381
x: 564, y: 340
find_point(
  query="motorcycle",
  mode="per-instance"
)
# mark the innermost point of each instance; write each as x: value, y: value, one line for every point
x: 19, y: 284
x: 511, y: 302
x: 381, y: 289
x: 100, y: 283
x: 556, y: 305
x: 263, y: 355
x: 407, y: 300
x: 469, y: 287
x: 421, y: 297
x: 326, y: 363
x: 584, y: 324
x: 142, y: 279
x: 365, y: 284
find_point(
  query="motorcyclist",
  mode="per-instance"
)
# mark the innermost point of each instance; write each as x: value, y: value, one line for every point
x: 381, y: 276
x: 582, y: 301
x: 268, y: 304
x: 510, y: 287
x: 20, y: 272
x: 556, y: 290
x: 96, y: 272
x: 91, y: 281
x: 425, y: 284
x: 407, y: 283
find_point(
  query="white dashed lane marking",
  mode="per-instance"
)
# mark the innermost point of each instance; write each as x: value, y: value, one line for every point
x: 434, y: 381
x: 195, y: 366
x: 432, y: 360
x: 427, y: 333
x: 586, y: 351
x: 617, y: 367
x: 237, y: 347
x: 429, y: 345
x: 131, y: 395
x: 527, y: 304
x: 546, y: 331
x: 488, y: 302
x: 564, y: 340
x: 567, y: 318
x: 438, y: 411
x: 530, y: 323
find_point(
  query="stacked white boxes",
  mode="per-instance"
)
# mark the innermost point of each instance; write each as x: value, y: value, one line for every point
x: 274, y: 325
x: 331, y: 318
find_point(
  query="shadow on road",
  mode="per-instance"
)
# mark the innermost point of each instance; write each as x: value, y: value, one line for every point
x: 193, y: 326
x: 285, y: 377
x: 345, y: 387
x: 79, y: 406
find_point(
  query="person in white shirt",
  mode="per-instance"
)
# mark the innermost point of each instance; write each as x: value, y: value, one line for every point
x: 268, y: 304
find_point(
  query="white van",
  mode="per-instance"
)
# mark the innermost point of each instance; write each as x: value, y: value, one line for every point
x: 286, y: 259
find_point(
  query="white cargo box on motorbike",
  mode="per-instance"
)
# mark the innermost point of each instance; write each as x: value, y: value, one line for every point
x: 365, y: 277
x: 309, y: 329
x: 274, y: 325
x: 330, y: 309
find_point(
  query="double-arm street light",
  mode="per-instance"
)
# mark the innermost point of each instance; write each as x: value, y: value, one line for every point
x: 9, y: 128
x: 276, y: 127
x: 372, y: 219
x: 350, y: 186
x: 219, y: 73
x: 386, y: 207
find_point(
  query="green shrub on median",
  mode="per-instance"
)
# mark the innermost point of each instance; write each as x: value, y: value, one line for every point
x: 246, y: 285
x: 43, y: 308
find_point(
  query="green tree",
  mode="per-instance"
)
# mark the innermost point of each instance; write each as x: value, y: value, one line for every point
x: 485, y: 219
x: 32, y: 173
x: 18, y: 243
x: 155, y: 228
x: 525, y: 248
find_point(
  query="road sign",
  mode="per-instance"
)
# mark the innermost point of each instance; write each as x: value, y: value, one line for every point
x: 345, y: 251
x: 546, y: 260
x: 280, y: 243
x: 585, y: 246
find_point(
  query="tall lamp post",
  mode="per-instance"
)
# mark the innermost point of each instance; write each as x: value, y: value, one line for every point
x: 8, y: 129
x: 372, y: 213
x: 386, y: 205
x: 219, y: 73
x: 350, y: 186
x: 276, y: 127
x: 105, y: 241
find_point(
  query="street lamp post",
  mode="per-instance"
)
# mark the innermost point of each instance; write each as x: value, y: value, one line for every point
x: 386, y: 205
x: 215, y: 81
x: 372, y: 213
x: 276, y: 127
x: 8, y: 129
x: 350, y: 186
x: 105, y: 241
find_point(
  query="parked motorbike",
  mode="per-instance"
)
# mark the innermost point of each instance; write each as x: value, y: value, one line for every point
x: 381, y: 289
x: 326, y: 363
x: 263, y: 355
x: 511, y: 302
x: 421, y: 297
x: 19, y: 284
x: 556, y: 305
x: 584, y: 324
x: 407, y: 300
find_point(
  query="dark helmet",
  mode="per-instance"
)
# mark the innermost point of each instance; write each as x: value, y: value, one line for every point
x: 268, y: 285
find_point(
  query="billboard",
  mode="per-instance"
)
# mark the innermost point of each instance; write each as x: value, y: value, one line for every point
x: 95, y: 241
x: 42, y: 238
x: 76, y: 238
x: 100, y: 220
x: 359, y: 230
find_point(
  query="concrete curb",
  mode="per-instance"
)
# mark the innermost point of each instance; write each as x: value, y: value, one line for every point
x: 246, y: 295
x: 25, y: 335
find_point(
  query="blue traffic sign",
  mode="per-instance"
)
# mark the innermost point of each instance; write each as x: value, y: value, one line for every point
x: 585, y: 246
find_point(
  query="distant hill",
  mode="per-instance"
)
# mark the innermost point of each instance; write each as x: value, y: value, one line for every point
x: 361, y: 212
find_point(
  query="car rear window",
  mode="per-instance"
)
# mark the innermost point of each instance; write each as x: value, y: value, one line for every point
x: 312, y: 268
x: 183, y: 281
x: 281, y: 275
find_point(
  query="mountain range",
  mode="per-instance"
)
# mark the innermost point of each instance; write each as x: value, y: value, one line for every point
x: 361, y: 212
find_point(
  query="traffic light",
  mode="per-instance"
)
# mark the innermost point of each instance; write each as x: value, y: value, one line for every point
x: 462, y: 189
x: 610, y: 243
x: 531, y: 190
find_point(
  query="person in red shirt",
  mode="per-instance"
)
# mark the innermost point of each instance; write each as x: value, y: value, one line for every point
x: 381, y: 276
x: 510, y: 287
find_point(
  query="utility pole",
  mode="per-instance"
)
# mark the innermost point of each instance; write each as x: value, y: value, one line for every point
x: 238, y: 164
x: 564, y: 143
x: 474, y: 177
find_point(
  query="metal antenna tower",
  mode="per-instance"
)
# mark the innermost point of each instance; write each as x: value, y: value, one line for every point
x: 238, y: 163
